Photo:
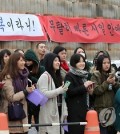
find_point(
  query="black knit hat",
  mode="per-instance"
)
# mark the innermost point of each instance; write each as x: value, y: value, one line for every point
x: 58, y: 49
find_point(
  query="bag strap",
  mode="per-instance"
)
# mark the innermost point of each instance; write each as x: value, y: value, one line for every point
x: 48, y: 78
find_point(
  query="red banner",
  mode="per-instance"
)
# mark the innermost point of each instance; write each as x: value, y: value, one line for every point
x: 84, y: 30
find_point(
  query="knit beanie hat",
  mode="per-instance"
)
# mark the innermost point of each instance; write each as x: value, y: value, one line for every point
x: 31, y: 56
x: 58, y: 49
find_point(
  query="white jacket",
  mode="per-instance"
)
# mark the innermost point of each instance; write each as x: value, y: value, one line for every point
x: 49, y: 112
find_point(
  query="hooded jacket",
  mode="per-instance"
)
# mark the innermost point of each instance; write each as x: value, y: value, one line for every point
x: 31, y: 56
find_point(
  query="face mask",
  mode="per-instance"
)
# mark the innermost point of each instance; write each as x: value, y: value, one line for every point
x: 83, y: 54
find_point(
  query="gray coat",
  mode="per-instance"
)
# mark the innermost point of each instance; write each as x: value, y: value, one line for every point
x: 49, y: 112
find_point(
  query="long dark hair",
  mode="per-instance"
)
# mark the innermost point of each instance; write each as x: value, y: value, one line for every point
x: 34, y: 68
x: 99, y: 64
x: 2, y: 53
x: 75, y: 51
x: 103, y: 52
x: 48, y: 63
x: 11, y: 66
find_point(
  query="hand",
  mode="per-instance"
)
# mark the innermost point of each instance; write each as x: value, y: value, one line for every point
x: 90, y: 89
x: 111, y: 80
x: 64, y: 87
x: 30, y: 89
x: 88, y: 83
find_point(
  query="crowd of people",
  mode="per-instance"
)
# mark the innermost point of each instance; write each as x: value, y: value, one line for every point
x: 92, y: 85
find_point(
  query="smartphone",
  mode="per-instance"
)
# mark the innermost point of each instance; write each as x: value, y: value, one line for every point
x: 29, y: 83
x: 111, y: 75
x: 67, y: 84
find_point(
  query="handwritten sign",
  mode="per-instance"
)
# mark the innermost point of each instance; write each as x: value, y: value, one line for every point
x: 84, y: 30
x: 21, y: 27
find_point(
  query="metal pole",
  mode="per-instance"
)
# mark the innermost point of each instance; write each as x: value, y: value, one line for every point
x: 49, y: 124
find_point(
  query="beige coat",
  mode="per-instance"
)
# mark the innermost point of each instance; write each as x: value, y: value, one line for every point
x: 10, y: 96
x: 49, y: 112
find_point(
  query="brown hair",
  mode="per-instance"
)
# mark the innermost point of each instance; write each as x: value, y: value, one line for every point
x: 11, y: 67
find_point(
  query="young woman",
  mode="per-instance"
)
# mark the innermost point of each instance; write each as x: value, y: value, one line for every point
x: 35, y: 71
x: 80, y: 50
x: 50, y: 84
x: 77, y: 96
x: 4, y: 57
x: 101, y: 52
x: 15, y: 77
x: 62, y: 53
x: 105, y: 88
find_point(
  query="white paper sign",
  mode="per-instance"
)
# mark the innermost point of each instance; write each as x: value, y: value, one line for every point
x: 20, y: 25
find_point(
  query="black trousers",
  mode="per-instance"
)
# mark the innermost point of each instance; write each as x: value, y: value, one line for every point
x: 33, y: 111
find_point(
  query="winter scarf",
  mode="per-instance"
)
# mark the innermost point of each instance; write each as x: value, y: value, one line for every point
x: 65, y: 66
x: 21, y: 81
x: 82, y: 73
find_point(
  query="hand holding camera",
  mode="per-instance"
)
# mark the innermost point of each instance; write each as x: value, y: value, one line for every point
x: 111, y: 78
x: 62, y: 89
x: 111, y: 75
